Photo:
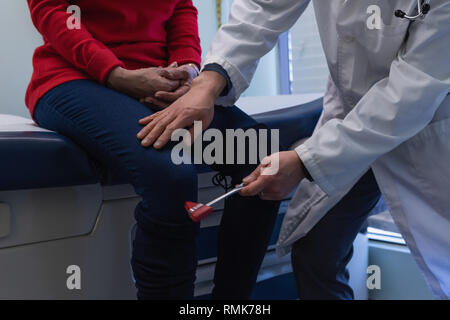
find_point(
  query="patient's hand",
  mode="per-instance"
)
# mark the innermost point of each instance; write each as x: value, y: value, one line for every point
x: 185, y: 74
x: 146, y: 82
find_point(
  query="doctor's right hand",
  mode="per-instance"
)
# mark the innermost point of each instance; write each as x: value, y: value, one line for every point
x: 276, y: 176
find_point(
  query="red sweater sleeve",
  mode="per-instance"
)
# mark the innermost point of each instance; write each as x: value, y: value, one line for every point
x: 182, y: 34
x: 77, y: 46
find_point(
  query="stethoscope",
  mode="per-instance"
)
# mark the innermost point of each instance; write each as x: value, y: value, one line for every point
x: 422, y: 8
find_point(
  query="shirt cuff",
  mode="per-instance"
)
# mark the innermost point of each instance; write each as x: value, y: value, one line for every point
x: 237, y: 79
x: 102, y: 63
x: 185, y: 55
x: 310, y: 164
x: 306, y: 172
x: 219, y: 69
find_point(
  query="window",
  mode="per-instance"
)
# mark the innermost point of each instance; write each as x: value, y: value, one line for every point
x: 303, y: 67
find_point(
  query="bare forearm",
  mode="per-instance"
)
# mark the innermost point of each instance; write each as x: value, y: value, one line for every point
x: 211, y: 82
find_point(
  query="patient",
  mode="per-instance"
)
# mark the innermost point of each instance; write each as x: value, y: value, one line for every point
x: 88, y: 85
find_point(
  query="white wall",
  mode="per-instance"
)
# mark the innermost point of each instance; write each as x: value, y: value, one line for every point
x: 19, y: 39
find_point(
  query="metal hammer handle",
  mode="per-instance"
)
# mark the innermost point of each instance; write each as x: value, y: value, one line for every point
x: 226, y: 195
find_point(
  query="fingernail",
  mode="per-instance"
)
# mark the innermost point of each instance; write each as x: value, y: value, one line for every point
x: 157, y: 144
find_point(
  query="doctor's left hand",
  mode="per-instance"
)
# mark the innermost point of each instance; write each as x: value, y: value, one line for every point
x: 195, y: 105
x: 275, y: 177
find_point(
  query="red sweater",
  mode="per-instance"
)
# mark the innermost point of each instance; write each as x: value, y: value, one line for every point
x: 133, y: 34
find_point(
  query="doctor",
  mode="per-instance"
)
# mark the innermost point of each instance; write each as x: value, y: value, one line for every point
x: 385, y: 127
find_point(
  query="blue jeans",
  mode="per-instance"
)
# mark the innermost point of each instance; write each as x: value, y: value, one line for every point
x: 104, y: 123
x: 320, y: 258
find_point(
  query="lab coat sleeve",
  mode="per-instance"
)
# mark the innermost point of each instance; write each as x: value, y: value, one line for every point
x: 393, y: 110
x: 252, y: 31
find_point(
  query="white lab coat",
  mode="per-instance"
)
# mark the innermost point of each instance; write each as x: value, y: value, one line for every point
x: 386, y: 107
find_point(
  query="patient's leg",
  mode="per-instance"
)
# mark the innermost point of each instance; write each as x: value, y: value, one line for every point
x: 105, y: 123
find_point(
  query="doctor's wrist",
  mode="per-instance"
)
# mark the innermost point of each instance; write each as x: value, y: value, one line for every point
x: 211, y: 82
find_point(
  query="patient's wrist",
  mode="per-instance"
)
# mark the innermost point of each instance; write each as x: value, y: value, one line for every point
x: 211, y: 81
x: 192, y: 69
x: 116, y: 77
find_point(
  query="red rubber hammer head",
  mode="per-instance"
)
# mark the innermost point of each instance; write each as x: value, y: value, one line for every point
x: 197, y: 211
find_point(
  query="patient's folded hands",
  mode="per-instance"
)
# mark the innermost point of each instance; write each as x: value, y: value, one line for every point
x: 156, y: 87
x: 185, y: 74
x: 147, y: 82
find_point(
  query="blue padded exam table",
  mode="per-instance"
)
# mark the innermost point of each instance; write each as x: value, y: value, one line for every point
x: 59, y: 208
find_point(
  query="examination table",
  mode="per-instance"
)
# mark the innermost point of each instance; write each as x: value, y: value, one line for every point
x: 58, y: 208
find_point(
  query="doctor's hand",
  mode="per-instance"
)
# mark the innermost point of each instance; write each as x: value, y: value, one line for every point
x: 162, y: 99
x: 196, y: 105
x: 275, y: 177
